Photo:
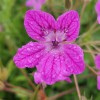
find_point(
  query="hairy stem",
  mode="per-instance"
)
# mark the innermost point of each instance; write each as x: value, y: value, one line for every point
x: 91, y: 42
x: 91, y: 69
x: 96, y: 48
x: 16, y: 92
x: 96, y: 29
x: 61, y: 94
x: 13, y: 86
x: 83, y: 9
x: 94, y: 52
x: 91, y: 29
x: 77, y: 87
x: 89, y: 48
x: 30, y: 82
x: 34, y: 97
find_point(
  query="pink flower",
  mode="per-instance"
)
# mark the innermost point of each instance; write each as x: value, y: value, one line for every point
x: 54, y: 56
x: 36, y: 4
x: 97, y: 62
x: 97, y: 8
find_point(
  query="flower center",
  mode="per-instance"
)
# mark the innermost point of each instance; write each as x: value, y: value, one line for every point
x: 55, y: 44
x: 54, y: 40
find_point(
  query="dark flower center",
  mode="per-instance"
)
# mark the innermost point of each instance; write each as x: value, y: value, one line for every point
x: 55, y: 44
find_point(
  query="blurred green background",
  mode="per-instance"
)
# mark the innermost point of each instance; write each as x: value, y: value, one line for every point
x: 13, y: 36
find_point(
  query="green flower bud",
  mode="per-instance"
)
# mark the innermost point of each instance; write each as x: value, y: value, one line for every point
x: 3, y: 74
x: 2, y: 86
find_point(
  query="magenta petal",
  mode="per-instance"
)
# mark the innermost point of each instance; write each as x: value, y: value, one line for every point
x: 62, y: 77
x: 97, y: 61
x: 74, y: 58
x: 98, y: 19
x: 29, y: 55
x: 37, y: 78
x: 98, y: 81
x: 38, y: 23
x: 36, y: 4
x: 69, y: 23
x: 43, y: 1
x: 29, y: 3
x: 52, y: 69
x: 97, y: 7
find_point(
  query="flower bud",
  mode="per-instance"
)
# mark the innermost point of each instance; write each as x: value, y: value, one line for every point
x: 87, y: 1
x: 68, y: 4
x: 1, y: 28
x: 3, y: 74
x: 1, y: 85
x: 83, y: 98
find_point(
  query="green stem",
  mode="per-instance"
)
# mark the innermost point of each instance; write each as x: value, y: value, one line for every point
x: 89, y: 48
x: 77, y: 87
x: 83, y: 9
x: 95, y: 47
x: 89, y: 31
x: 61, y: 94
x: 92, y: 70
x: 1, y: 65
x: 13, y: 86
x: 16, y: 92
x: 90, y: 42
x: 30, y: 82
x: 34, y: 97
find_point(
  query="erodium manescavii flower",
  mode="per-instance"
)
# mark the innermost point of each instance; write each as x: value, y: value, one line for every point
x: 97, y: 62
x: 54, y: 56
x: 36, y: 4
x: 97, y: 8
